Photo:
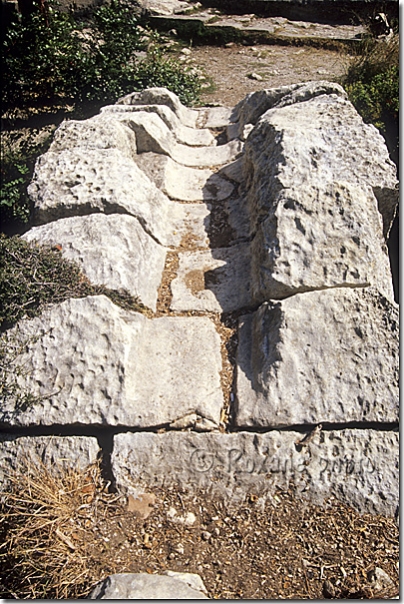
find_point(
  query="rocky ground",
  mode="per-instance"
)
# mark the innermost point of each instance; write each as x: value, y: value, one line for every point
x: 233, y: 70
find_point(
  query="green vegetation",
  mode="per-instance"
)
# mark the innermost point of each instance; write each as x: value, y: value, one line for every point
x: 372, y: 84
x: 55, y: 57
x: 32, y: 276
x: 17, y: 165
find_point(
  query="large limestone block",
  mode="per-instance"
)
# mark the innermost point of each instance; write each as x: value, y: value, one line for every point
x: 183, y: 183
x: 58, y: 452
x: 98, y: 132
x: 141, y: 586
x: 213, y: 280
x: 152, y: 134
x: 201, y: 137
x: 216, y: 117
x: 324, y: 356
x: 255, y: 104
x: 317, y: 236
x: 322, y: 140
x: 359, y: 467
x: 162, y: 96
x: 111, y: 250
x: 95, y: 363
x: 83, y: 181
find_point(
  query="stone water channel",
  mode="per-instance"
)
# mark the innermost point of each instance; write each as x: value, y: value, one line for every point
x: 255, y: 237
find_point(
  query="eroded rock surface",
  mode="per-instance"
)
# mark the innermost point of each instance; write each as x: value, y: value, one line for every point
x: 112, y: 250
x: 353, y: 465
x: 140, y: 586
x: 319, y: 357
x: 60, y: 452
x: 281, y: 225
x: 92, y: 362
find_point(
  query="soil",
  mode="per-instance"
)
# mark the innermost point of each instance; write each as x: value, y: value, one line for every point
x: 229, y: 68
x: 286, y: 549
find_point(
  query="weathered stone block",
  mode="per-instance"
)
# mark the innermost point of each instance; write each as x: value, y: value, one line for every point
x: 327, y: 356
x: 201, y: 137
x: 111, y: 250
x: 55, y: 452
x: 358, y: 467
x: 317, y: 236
x: 162, y: 96
x: 322, y: 140
x: 95, y: 363
x: 79, y: 181
x: 141, y: 586
x: 183, y: 183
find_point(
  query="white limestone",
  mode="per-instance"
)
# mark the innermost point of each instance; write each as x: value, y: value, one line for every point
x: 359, y: 467
x: 112, y: 250
x: 141, y: 586
x: 326, y: 356
x: 182, y: 183
x: 322, y: 140
x: 318, y: 236
x: 91, y: 362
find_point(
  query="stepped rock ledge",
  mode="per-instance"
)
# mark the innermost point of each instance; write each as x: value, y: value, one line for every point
x: 281, y: 221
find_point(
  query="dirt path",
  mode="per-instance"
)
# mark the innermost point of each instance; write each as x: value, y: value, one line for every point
x: 230, y: 68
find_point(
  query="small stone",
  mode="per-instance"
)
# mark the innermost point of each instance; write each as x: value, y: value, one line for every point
x: 142, y: 505
x: 206, y: 535
x: 186, y: 51
x: 229, y: 44
x: 328, y: 589
x: 179, y: 548
x: 255, y: 76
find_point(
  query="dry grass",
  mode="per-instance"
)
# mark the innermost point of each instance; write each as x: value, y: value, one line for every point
x: 46, y: 521
x: 62, y: 532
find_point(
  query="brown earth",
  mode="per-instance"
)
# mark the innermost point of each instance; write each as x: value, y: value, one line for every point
x: 230, y: 68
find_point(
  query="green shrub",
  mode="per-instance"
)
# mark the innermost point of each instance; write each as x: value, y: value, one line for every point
x: 55, y: 57
x: 372, y: 84
x: 16, y: 168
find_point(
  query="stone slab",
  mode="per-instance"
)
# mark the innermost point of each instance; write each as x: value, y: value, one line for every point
x: 91, y: 362
x: 320, y: 139
x: 358, y: 467
x: 197, y: 137
x: 79, y: 181
x: 318, y: 236
x: 56, y: 452
x: 141, y: 586
x: 112, y: 250
x: 216, y: 280
x: 192, y: 225
x: 162, y: 96
x: 320, y: 357
x: 216, y: 117
x: 255, y: 104
x: 182, y: 183
x: 98, y: 132
x: 152, y: 134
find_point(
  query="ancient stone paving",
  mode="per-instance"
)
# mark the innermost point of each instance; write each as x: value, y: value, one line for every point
x: 256, y: 237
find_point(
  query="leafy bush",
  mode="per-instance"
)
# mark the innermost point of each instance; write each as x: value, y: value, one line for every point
x: 372, y: 84
x: 17, y: 164
x: 32, y: 276
x: 51, y: 57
